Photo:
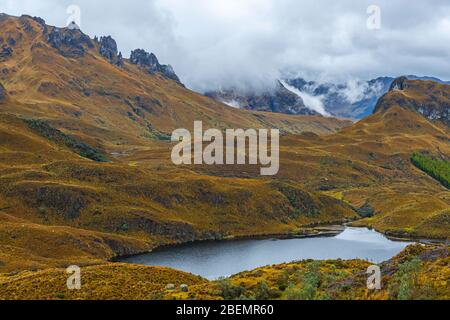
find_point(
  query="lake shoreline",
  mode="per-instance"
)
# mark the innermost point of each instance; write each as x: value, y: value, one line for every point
x: 324, y: 231
x: 214, y: 259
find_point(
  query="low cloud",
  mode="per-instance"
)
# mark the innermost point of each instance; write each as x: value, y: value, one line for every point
x: 223, y: 43
x: 311, y: 102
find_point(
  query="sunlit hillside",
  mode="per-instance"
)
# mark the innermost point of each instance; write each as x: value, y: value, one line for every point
x: 86, y: 175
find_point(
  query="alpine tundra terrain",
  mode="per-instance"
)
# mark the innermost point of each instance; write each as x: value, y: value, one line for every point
x: 86, y: 175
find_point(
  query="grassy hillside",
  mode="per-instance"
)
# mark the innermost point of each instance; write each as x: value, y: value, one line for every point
x: 55, y: 205
x: 64, y: 115
x: 102, y: 282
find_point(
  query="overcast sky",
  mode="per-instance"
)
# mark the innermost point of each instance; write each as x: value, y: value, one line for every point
x: 213, y: 43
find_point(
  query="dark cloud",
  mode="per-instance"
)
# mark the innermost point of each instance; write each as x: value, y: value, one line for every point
x: 213, y: 43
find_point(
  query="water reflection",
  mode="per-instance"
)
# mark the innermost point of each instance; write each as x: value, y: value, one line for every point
x: 216, y: 259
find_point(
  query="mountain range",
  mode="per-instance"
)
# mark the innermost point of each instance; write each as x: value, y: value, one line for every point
x: 354, y: 99
x: 86, y: 174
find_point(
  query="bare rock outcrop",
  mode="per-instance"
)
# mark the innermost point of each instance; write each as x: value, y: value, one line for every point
x: 3, y: 93
x: 70, y: 43
x: 150, y: 62
x: 108, y: 49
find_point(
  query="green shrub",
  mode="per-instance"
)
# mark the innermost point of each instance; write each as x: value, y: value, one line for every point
x: 228, y: 291
x: 404, y: 283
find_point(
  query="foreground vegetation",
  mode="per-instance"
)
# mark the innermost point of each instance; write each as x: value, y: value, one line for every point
x: 420, y: 272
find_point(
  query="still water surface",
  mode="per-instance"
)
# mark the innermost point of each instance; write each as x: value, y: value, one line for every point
x: 212, y: 260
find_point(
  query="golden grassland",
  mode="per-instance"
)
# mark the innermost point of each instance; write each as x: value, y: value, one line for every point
x: 420, y: 272
x: 102, y: 282
x: 58, y: 208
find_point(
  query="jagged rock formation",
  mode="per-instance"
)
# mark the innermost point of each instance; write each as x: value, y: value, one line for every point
x: 279, y: 100
x: 108, y: 49
x: 399, y: 84
x: 40, y: 21
x: 150, y: 62
x: 70, y: 43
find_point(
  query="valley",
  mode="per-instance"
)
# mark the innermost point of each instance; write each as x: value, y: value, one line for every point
x: 86, y: 174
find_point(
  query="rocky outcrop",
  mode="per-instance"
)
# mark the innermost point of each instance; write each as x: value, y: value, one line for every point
x: 40, y: 21
x: 3, y: 94
x: 150, y: 62
x: 279, y: 100
x: 399, y: 84
x: 69, y: 42
x: 5, y: 52
x: 108, y: 49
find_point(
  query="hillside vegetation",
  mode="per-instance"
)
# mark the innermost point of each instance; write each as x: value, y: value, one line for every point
x: 438, y: 169
x: 418, y: 273
x: 86, y: 174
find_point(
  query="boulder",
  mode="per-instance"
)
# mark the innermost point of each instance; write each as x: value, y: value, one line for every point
x: 170, y: 287
x: 184, y: 288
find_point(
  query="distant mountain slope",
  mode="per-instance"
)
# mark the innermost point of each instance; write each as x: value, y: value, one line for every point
x: 429, y: 98
x: 86, y: 88
x: 279, y: 100
x: 353, y: 100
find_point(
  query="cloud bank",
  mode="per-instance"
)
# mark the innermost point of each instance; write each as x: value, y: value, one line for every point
x: 221, y: 43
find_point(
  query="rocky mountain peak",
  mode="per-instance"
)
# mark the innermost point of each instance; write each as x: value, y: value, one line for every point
x: 399, y: 84
x: 108, y: 49
x: 428, y: 98
x: 69, y: 42
x: 150, y: 62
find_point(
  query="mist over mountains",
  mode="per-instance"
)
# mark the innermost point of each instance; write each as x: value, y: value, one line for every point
x: 353, y: 99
